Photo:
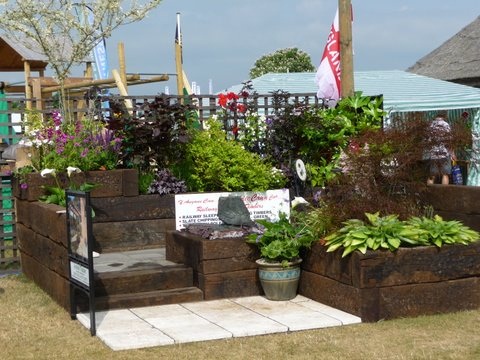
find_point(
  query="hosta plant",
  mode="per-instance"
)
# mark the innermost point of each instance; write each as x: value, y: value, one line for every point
x: 390, y: 233
x: 437, y: 231
x: 379, y: 233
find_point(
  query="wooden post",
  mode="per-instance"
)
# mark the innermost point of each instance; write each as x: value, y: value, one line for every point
x: 88, y: 73
x: 121, y: 63
x: 28, y: 91
x: 122, y: 89
x: 346, y: 49
x: 37, y: 93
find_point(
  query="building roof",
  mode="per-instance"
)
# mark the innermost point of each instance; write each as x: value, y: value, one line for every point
x: 13, y: 54
x: 457, y: 59
x: 402, y: 91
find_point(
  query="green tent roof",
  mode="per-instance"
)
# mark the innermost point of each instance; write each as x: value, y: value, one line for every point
x: 402, y: 91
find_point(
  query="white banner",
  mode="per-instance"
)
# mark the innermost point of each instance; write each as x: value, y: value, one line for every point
x: 203, y: 207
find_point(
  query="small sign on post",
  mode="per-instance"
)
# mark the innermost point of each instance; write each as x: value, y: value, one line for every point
x: 80, y: 251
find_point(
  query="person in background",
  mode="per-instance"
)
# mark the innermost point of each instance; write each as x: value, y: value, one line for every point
x: 440, y: 155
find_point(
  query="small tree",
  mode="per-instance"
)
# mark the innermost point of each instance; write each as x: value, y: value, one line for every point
x: 65, y: 31
x: 283, y: 60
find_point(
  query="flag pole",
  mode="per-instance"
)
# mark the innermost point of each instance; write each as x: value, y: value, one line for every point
x: 346, y: 48
x: 179, y: 57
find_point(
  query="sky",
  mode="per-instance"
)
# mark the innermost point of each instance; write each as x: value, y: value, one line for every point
x: 222, y: 39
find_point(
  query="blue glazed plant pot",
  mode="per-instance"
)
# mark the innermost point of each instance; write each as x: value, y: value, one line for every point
x: 279, y: 283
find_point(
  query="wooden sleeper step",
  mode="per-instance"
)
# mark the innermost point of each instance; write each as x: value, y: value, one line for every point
x: 149, y: 298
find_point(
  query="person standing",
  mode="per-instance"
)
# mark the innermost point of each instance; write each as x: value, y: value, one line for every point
x: 440, y: 154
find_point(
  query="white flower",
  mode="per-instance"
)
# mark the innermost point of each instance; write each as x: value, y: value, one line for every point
x: 206, y: 125
x: 72, y: 169
x: 45, y: 172
x: 298, y: 200
x: 25, y: 142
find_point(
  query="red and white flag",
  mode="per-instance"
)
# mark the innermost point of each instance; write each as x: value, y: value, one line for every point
x: 328, y: 73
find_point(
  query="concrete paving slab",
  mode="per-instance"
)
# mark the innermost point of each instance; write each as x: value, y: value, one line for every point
x: 211, y: 320
x: 344, y: 317
x: 136, y: 339
x: 289, y: 313
x: 235, y: 318
x: 182, y: 324
x: 115, y: 321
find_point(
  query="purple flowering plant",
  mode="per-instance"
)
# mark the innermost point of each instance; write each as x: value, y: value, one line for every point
x: 57, y: 144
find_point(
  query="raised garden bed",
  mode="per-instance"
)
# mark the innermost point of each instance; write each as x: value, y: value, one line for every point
x: 120, y: 223
x: 222, y: 268
x: 111, y: 183
x: 385, y: 285
x: 377, y: 285
x: 456, y: 203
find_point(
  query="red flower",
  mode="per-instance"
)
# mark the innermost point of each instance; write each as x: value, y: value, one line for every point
x: 235, y: 130
x: 222, y: 100
x: 241, y: 108
x: 232, y: 96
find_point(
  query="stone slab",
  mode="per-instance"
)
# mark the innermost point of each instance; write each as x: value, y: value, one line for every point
x: 291, y: 314
x: 183, y: 325
x: 123, y: 330
x: 206, y: 320
x: 236, y: 318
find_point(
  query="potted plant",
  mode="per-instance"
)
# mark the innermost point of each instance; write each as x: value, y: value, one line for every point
x: 280, y: 244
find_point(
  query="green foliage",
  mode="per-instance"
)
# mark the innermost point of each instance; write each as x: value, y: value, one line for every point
x: 319, y: 220
x: 214, y: 163
x: 317, y: 135
x: 281, y: 61
x: 21, y: 174
x: 320, y: 175
x: 390, y: 233
x: 437, y: 231
x: 56, y: 194
x: 145, y: 178
x: 281, y: 241
x: 326, y: 132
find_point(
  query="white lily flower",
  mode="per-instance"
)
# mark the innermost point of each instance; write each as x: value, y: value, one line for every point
x: 72, y: 169
x: 25, y: 142
x: 45, y: 172
x: 298, y: 200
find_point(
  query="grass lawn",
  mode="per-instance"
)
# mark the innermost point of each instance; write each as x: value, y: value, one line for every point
x: 32, y: 326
